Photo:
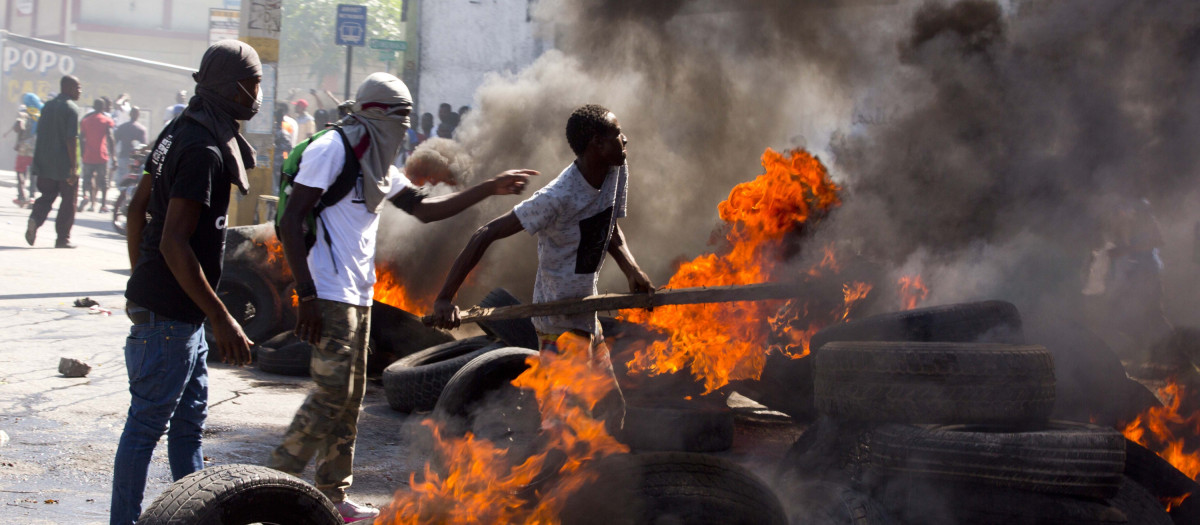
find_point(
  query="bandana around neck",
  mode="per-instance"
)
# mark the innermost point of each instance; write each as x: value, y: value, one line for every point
x: 376, y: 129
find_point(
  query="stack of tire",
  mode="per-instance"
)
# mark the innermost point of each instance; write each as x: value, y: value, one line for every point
x: 941, y: 416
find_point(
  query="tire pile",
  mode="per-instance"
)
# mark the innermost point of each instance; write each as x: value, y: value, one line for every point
x: 942, y: 416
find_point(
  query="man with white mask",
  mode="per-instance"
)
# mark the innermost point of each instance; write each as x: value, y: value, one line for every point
x: 335, y: 279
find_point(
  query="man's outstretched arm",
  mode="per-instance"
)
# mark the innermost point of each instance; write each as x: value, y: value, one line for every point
x: 511, y: 182
x: 445, y: 314
x: 639, y: 282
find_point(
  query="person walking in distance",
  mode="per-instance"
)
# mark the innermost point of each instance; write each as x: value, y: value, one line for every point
x: 335, y: 280
x: 96, y: 137
x: 54, y: 163
x: 26, y: 130
x: 176, y: 258
x: 128, y: 136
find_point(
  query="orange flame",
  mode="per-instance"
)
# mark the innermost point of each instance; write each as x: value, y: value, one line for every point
x: 391, y: 291
x: 273, y: 250
x: 1162, y: 430
x: 1171, y: 503
x: 481, y: 487
x: 912, y: 291
x: 729, y: 341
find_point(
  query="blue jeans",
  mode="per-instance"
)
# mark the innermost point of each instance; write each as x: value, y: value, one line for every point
x: 168, y: 380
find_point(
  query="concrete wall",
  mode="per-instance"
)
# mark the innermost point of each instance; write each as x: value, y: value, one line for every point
x: 464, y: 40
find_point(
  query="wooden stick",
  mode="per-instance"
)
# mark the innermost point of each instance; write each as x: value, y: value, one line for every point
x: 605, y: 302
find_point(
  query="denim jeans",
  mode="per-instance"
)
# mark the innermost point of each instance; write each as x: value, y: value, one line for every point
x: 168, y: 381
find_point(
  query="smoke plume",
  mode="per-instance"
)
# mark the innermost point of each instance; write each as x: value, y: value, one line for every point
x: 983, y: 145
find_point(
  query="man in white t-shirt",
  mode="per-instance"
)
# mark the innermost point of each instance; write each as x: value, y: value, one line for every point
x: 335, y: 279
x: 575, y: 220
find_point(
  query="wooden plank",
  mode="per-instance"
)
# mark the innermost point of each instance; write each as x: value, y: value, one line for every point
x: 606, y: 302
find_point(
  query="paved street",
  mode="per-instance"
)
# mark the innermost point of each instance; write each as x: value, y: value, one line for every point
x: 63, y: 432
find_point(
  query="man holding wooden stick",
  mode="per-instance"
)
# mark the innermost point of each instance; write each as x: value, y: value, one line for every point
x: 575, y: 221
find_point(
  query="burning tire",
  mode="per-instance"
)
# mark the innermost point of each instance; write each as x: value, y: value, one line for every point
x: 480, y: 397
x: 672, y: 487
x: 1164, y: 482
x: 414, y: 383
x: 395, y: 334
x: 1141, y: 507
x: 251, y: 300
x: 916, y: 382
x: 1067, y: 459
x: 240, y: 495
x: 289, y: 360
x: 684, y: 426
x: 785, y: 382
x: 986, y: 321
x: 515, y: 332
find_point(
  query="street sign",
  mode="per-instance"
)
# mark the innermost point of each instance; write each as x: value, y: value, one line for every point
x: 387, y: 55
x: 351, y: 25
x: 223, y: 24
x: 390, y: 45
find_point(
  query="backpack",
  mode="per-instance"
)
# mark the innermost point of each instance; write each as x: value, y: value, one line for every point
x: 341, y: 186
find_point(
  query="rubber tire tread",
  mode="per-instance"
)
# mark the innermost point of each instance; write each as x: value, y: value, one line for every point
x: 680, y: 426
x: 289, y: 360
x: 414, y: 383
x: 786, y: 383
x: 482, y: 374
x: 813, y: 502
x: 1163, y: 480
x: 984, y: 321
x: 1069, y: 459
x: 513, y: 332
x: 265, y: 297
x: 935, y: 383
x: 673, y: 487
x: 238, y: 495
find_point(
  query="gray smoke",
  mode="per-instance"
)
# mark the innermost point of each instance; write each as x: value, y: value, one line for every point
x: 982, y: 145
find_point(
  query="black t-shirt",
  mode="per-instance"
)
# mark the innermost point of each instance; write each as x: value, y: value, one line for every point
x: 186, y: 164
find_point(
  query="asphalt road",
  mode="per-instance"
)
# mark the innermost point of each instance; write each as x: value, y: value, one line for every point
x: 56, y: 466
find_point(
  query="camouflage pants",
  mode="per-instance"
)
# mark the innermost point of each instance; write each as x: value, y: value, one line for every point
x: 327, y: 423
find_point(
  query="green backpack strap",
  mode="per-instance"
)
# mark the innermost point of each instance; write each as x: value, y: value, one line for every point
x: 342, y: 185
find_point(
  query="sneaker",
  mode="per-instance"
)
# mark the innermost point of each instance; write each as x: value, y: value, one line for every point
x: 65, y: 244
x: 352, y: 512
x: 31, y: 232
x: 104, y: 209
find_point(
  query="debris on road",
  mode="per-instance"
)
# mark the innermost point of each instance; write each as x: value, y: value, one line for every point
x: 70, y: 367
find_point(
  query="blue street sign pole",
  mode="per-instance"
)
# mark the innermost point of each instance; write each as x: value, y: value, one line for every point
x: 351, y: 32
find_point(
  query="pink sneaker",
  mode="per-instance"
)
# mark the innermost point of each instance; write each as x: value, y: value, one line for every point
x: 352, y: 512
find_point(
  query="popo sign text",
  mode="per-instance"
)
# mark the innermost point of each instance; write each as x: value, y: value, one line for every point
x: 351, y: 27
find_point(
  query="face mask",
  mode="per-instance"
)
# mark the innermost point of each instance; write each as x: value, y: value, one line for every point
x: 257, y: 99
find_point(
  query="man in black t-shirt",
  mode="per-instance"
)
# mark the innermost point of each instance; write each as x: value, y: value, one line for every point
x: 54, y: 163
x: 126, y: 136
x: 176, y: 258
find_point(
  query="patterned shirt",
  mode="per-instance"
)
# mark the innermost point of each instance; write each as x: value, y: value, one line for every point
x: 573, y: 223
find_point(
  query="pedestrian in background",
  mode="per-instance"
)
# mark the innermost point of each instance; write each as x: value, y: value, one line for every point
x: 96, y: 137
x: 55, y: 165
x: 26, y: 130
x: 176, y: 258
x: 128, y: 137
x: 307, y: 126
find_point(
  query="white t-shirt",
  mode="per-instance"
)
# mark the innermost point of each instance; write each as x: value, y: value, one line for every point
x: 573, y: 223
x: 347, y: 273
